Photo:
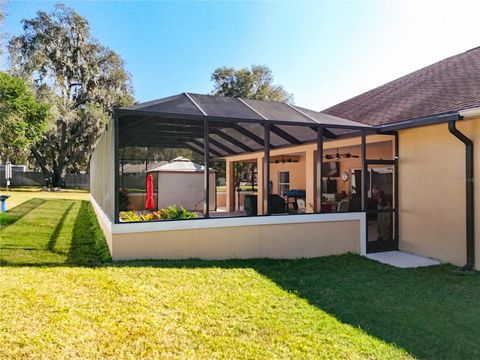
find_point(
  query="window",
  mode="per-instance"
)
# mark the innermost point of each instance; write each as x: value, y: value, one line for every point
x: 283, y: 182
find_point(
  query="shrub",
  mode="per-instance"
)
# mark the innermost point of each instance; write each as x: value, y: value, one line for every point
x: 171, y: 212
x: 129, y: 216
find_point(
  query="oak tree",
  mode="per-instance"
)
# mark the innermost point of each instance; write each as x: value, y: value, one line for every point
x: 82, y: 80
x: 254, y: 83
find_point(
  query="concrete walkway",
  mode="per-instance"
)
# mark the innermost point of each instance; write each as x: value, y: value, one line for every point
x: 402, y: 260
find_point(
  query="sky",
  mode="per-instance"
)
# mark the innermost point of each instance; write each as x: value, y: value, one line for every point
x: 322, y: 52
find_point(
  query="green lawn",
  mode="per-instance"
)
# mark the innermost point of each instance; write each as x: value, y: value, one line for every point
x: 19, y: 196
x: 61, y: 297
x: 51, y: 232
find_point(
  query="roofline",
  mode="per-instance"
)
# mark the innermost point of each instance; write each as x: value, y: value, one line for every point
x: 399, y: 125
x: 422, y: 121
x: 244, y: 102
x: 123, y: 111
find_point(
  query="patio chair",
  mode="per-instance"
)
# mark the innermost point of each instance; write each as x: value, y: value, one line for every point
x: 301, y: 206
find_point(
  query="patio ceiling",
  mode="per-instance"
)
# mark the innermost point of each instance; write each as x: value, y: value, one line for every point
x: 235, y: 125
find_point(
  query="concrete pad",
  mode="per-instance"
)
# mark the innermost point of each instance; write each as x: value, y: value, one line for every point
x: 402, y: 260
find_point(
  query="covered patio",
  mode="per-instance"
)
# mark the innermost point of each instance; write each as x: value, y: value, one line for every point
x: 293, y: 150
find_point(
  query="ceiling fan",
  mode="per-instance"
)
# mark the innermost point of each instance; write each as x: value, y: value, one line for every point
x: 338, y: 156
x: 284, y: 161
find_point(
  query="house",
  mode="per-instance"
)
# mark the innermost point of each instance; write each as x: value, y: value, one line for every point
x: 389, y: 169
x: 430, y: 109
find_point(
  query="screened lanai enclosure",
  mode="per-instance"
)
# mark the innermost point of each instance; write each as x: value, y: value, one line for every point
x: 320, y: 168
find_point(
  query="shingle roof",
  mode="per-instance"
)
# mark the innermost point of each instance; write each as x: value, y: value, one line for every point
x: 449, y: 85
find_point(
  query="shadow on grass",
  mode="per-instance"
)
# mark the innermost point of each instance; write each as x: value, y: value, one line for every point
x: 18, y: 212
x: 58, y: 228
x: 427, y: 311
x: 430, y: 312
x: 88, y: 246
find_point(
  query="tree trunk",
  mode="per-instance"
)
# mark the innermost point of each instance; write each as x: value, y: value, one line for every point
x: 41, y: 162
x: 54, y: 176
x: 57, y: 179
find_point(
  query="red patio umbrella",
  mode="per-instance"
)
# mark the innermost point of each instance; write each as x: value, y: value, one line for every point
x: 149, y: 204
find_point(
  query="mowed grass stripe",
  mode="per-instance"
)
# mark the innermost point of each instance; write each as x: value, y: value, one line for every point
x: 36, y: 227
x: 52, y: 232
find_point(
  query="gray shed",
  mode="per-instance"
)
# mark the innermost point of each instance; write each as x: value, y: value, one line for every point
x: 181, y: 182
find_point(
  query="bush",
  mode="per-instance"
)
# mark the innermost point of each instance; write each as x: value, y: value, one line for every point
x: 171, y: 212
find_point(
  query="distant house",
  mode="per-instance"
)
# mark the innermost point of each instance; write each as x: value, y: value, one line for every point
x: 389, y: 169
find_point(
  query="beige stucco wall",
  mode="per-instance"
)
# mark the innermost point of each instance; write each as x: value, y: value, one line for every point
x: 240, y: 196
x: 221, y: 199
x: 102, y: 172
x: 283, y: 241
x: 432, y: 191
x: 297, y: 173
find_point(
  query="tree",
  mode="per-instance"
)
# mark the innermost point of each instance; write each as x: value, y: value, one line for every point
x: 254, y: 83
x: 22, y: 117
x: 82, y: 79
